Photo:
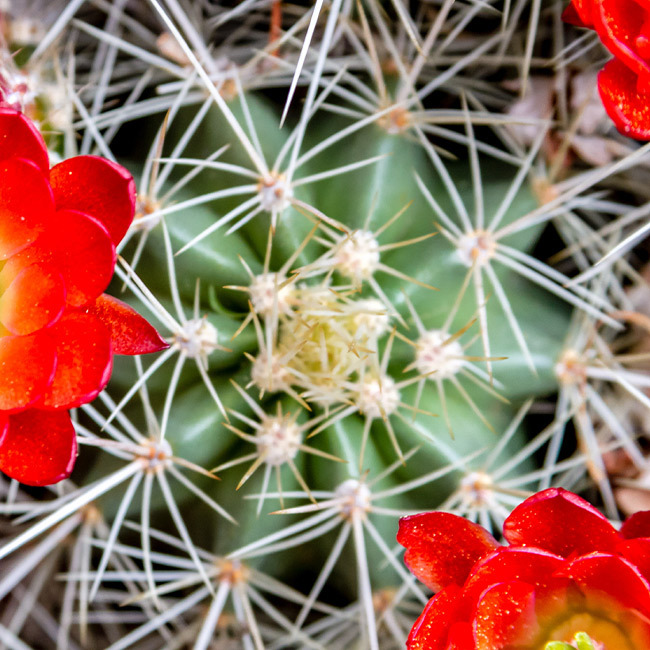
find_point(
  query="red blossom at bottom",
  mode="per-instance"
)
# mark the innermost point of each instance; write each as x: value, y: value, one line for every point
x: 58, y: 331
x: 566, y: 571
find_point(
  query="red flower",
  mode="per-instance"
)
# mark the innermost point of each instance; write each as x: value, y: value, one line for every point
x: 624, y: 82
x: 58, y: 332
x: 566, y: 570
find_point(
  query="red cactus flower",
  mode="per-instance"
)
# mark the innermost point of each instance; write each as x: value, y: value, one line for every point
x: 58, y: 332
x: 624, y: 83
x: 566, y: 571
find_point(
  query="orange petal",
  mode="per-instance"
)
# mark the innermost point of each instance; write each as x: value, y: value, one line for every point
x: 26, y: 369
x: 98, y: 187
x: 26, y: 205
x: 84, y: 361
x: 628, y: 108
x: 19, y: 138
x: 34, y: 299
x: 40, y: 447
x: 130, y: 332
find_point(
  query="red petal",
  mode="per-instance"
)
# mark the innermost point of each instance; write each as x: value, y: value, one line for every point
x: 84, y: 252
x: 26, y: 369
x: 441, y: 548
x: 529, y: 565
x: 4, y: 425
x: 26, y: 205
x: 505, y: 616
x: 130, y: 333
x: 34, y: 299
x: 578, y: 13
x: 559, y: 522
x: 84, y: 361
x: 572, y: 17
x: 611, y: 576
x: 40, y: 447
x: 637, y: 552
x: 637, y: 525
x: 19, y: 138
x: 618, y: 23
x: 628, y: 108
x: 80, y: 247
x: 98, y: 187
x: 431, y: 630
x: 461, y: 637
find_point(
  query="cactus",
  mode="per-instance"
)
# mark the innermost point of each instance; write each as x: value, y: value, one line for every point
x: 359, y: 227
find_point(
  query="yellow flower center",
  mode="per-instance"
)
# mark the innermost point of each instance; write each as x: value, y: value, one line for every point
x: 588, y: 632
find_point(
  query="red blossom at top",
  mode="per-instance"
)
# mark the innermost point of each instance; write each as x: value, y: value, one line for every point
x: 624, y: 83
x: 58, y: 331
x: 566, y: 570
